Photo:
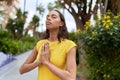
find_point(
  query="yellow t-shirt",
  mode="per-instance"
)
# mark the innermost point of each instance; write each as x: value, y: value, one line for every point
x: 58, y: 54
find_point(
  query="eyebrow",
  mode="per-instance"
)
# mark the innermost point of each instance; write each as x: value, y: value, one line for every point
x: 52, y: 15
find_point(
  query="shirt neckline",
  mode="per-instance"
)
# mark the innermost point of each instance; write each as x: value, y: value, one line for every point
x: 51, y: 41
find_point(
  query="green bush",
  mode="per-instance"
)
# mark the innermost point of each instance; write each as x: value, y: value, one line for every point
x: 9, y: 45
x: 102, y: 47
x: 72, y: 36
x: 4, y: 33
x: 15, y: 46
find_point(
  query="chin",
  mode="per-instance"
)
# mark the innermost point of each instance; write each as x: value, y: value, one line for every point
x: 48, y: 27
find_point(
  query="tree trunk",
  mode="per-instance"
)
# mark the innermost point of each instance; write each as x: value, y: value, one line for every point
x: 114, y: 6
x: 105, y: 6
x: 79, y: 24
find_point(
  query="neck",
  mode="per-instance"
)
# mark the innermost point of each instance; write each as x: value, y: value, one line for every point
x: 53, y: 36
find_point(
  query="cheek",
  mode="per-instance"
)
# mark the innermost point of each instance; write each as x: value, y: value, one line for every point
x: 56, y: 23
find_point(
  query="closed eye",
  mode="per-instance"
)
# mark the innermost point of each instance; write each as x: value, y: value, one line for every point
x: 53, y: 16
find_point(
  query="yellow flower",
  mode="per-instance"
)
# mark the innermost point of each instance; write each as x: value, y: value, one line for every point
x: 108, y: 21
x: 108, y: 12
x: 103, y: 21
x: 104, y: 75
x: 107, y: 17
x: 94, y: 33
x: 86, y: 28
x: 87, y: 23
x: 108, y: 76
x: 106, y: 26
x: 111, y: 24
x: 78, y: 31
x: 116, y: 17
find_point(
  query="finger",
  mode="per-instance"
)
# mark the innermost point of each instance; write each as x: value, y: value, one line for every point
x: 42, y: 49
x: 46, y: 46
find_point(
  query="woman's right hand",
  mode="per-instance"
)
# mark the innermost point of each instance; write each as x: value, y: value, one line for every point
x: 45, y: 53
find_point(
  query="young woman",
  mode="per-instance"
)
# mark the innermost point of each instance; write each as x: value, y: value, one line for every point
x: 55, y: 55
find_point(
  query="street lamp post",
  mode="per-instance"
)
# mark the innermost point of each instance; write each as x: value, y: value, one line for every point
x: 24, y: 5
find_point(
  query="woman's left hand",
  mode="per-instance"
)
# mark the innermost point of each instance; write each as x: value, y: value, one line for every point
x: 45, y: 53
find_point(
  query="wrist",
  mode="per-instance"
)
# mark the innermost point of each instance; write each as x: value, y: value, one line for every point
x: 38, y: 63
x: 46, y: 63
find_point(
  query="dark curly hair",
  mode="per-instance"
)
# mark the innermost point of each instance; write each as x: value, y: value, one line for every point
x: 63, y: 32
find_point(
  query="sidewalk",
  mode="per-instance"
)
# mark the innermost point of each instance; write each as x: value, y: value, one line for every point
x: 11, y: 70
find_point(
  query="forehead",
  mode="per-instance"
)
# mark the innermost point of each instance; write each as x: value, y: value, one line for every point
x: 53, y: 13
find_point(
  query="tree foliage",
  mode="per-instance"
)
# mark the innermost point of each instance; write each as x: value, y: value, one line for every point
x: 81, y: 10
x: 35, y: 22
x: 40, y: 9
x: 54, y: 5
x: 16, y: 25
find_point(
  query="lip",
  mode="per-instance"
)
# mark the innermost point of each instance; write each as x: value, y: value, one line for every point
x: 48, y: 23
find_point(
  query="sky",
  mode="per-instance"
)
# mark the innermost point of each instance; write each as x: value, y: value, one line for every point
x: 31, y: 8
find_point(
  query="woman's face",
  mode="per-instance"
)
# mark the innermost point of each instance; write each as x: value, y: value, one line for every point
x: 53, y: 20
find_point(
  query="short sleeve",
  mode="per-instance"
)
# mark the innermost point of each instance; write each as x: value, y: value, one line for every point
x: 38, y: 45
x: 70, y: 45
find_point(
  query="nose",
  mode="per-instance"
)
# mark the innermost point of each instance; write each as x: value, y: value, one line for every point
x: 48, y: 18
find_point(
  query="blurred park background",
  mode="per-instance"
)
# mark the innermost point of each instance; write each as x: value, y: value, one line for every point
x: 94, y: 25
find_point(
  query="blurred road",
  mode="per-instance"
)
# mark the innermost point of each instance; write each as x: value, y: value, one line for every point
x: 11, y: 70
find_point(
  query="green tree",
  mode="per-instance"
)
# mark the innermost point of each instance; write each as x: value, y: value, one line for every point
x: 35, y: 22
x: 53, y: 5
x: 81, y: 10
x: 16, y: 25
x: 40, y: 9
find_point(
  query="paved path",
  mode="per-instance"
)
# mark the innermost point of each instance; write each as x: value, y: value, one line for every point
x: 11, y: 70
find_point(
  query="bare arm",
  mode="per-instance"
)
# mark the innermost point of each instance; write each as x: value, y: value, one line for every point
x: 30, y: 62
x: 70, y: 72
